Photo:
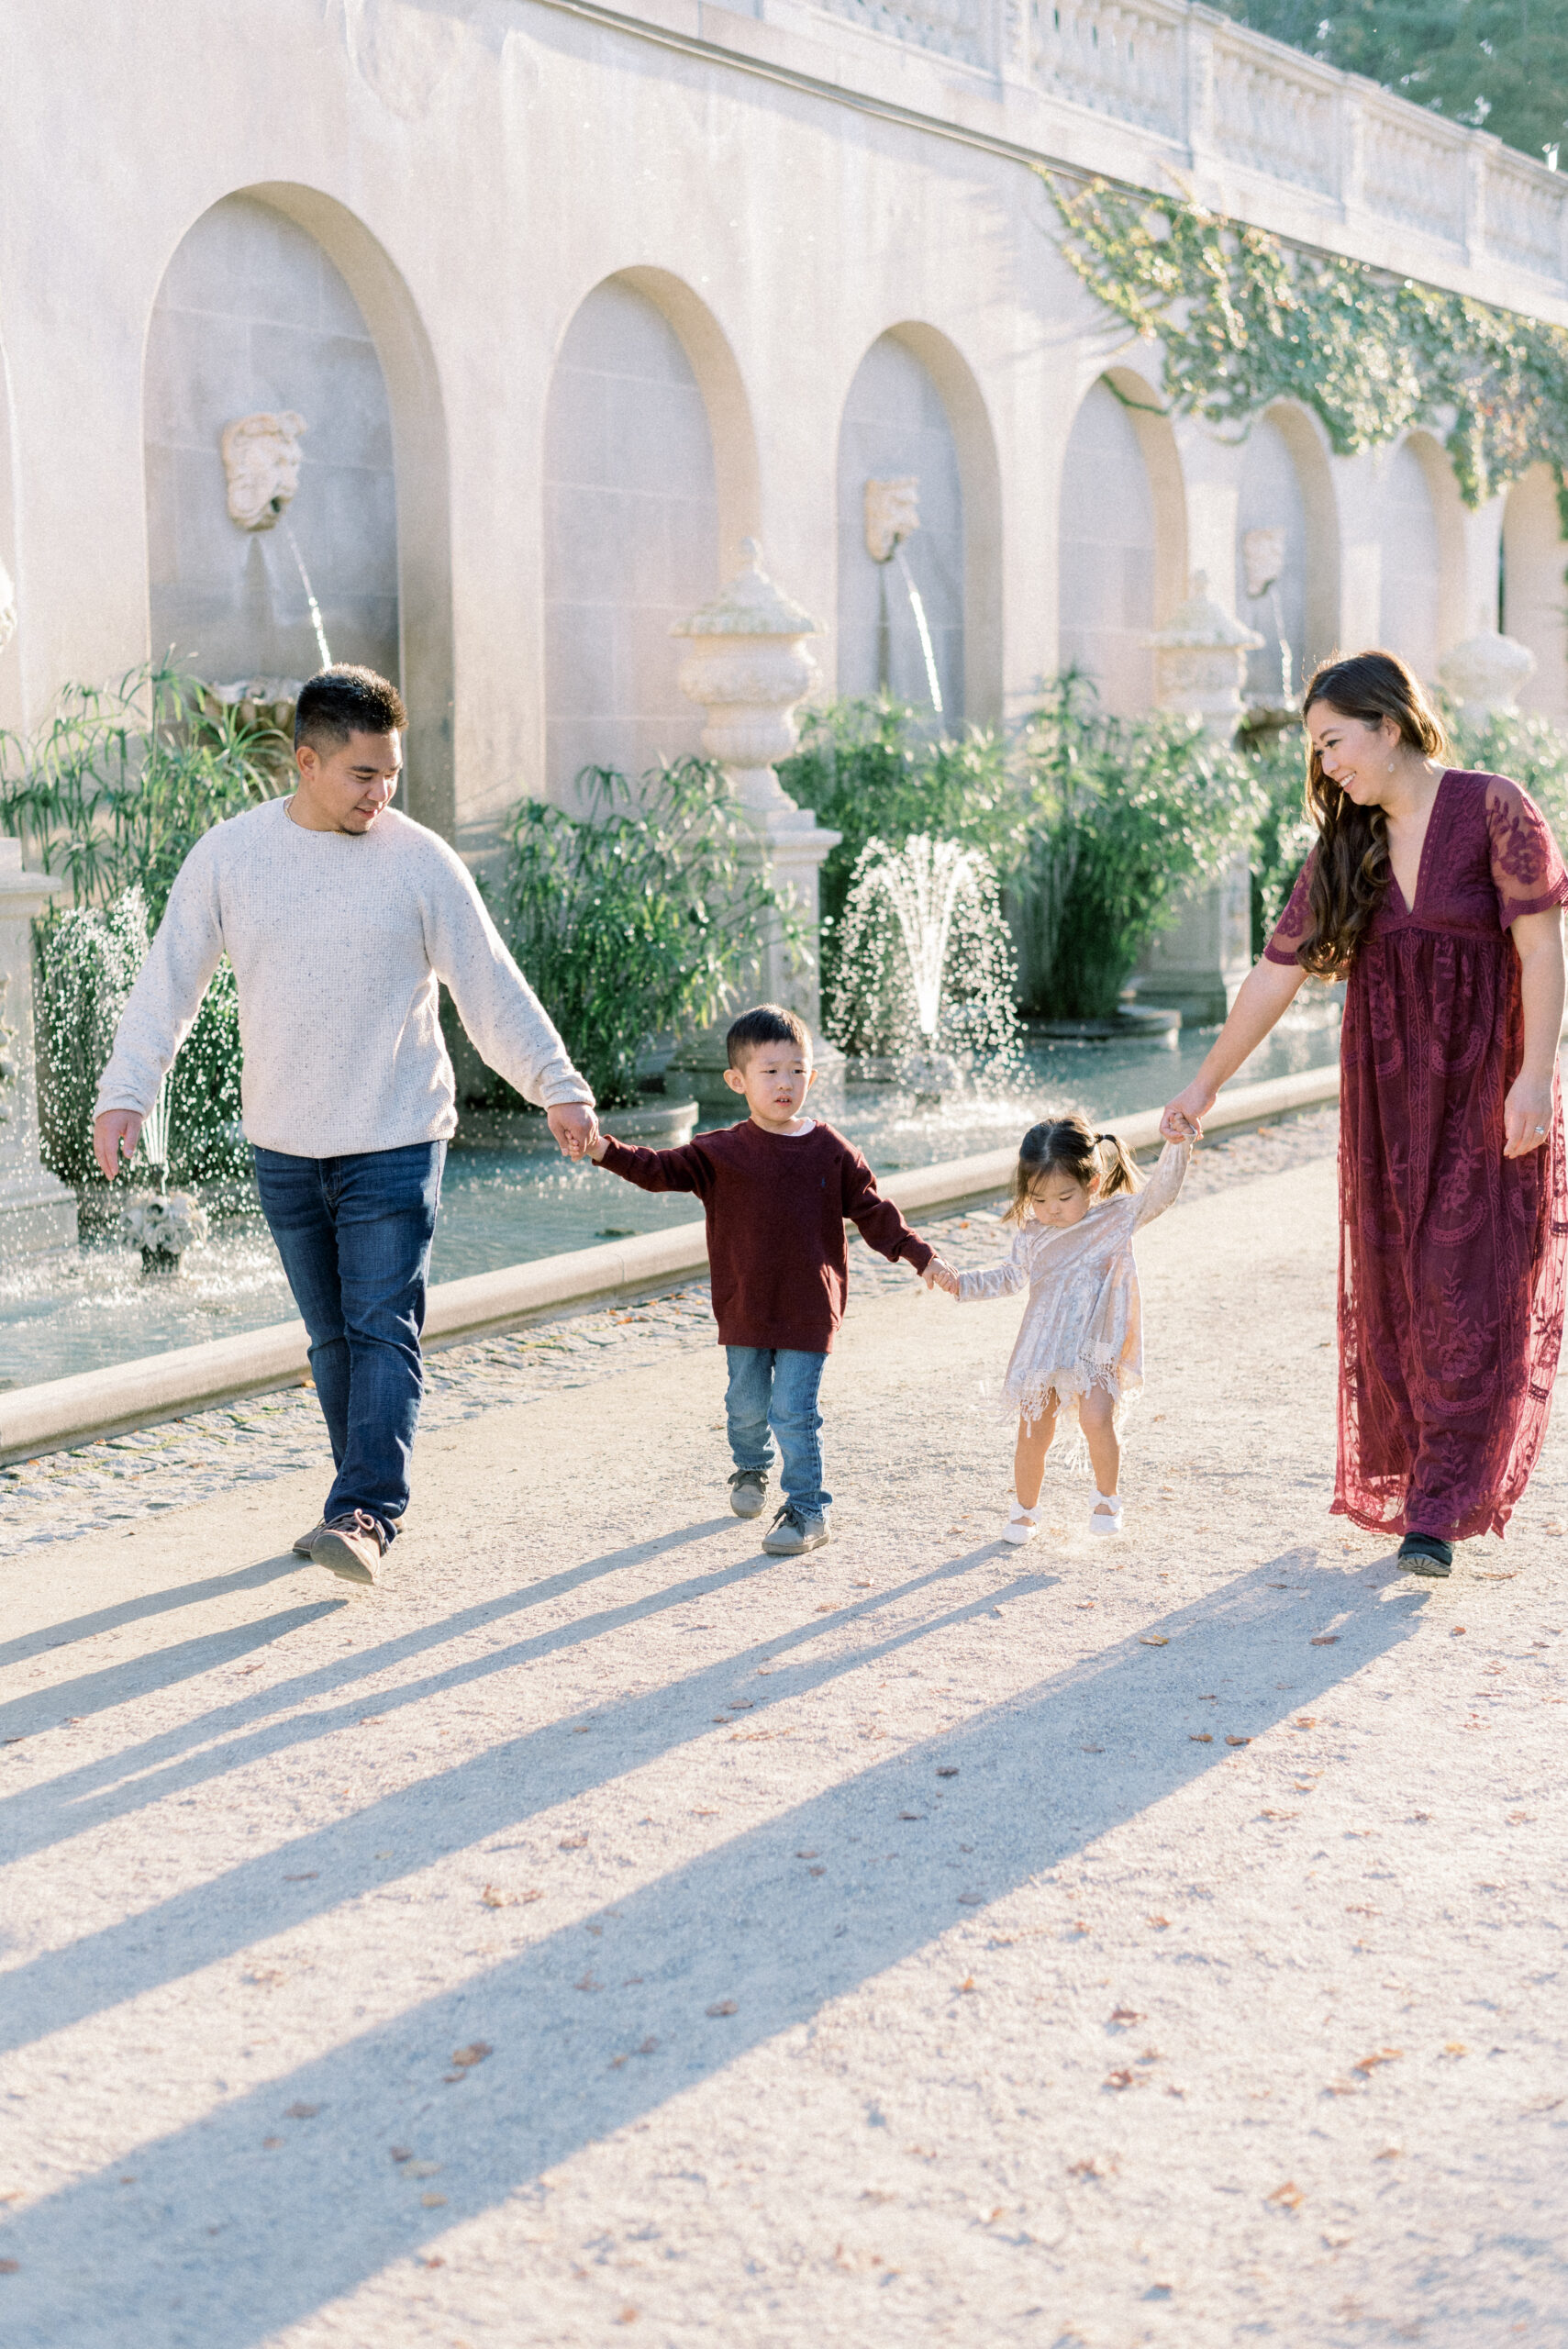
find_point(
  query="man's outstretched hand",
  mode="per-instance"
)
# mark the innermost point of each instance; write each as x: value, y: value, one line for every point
x: 114, y: 1136
x: 575, y: 1128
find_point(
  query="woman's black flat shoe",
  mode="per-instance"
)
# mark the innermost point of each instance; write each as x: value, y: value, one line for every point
x: 1423, y: 1554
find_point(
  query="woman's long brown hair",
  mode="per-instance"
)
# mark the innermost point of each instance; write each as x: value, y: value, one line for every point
x: 1350, y: 865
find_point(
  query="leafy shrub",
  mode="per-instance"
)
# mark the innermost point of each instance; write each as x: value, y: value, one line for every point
x: 114, y: 792
x: 123, y: 780
x: 1127, y: 814
x: 1285, y: 834
x: 644, y: 916
x: 872, y: 770
x: 87, y: 958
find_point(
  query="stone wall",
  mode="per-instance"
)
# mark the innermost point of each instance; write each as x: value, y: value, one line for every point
x: 631, y: 539
x: 430, y: 195
x: 252, y: 315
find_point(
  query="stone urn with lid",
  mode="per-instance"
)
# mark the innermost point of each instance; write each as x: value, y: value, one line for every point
x: 747, y: 665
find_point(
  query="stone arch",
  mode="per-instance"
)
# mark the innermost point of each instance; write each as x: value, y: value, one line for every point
x: 650, y: 485
x: 1534, y: 603
x: 1122, y: 536
x: 1287, y: 481
x: 915, y: 407
x: 378, y: 443
x: 1421, y: 610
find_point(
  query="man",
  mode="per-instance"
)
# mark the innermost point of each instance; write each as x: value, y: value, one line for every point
x: 340, y: 916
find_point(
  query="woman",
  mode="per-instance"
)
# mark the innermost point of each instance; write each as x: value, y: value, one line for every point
x: 1436, y: 893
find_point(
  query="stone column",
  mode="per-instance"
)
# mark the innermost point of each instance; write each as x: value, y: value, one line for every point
x: 1196, y: 967
x: 37, y: 1213
x: 747, y: 665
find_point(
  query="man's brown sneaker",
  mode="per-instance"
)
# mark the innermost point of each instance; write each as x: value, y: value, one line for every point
x: 306, y: 1542
x: 352, y: 1546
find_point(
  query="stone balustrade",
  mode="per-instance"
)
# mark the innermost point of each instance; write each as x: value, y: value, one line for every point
x: 1244, y: 104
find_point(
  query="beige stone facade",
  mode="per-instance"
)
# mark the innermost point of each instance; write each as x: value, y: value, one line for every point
x: 572, y: 301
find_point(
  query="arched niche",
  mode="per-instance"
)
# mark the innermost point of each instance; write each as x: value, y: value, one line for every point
x: 915, y: 408
x: 279, y: 297
x: 1286, y: 485
x: 650, y: 487
x: 1122, y: 537
x: 1421, y: 606
x: 1534, y: 602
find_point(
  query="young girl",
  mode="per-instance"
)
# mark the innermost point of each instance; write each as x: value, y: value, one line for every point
x: 1077, y: 1200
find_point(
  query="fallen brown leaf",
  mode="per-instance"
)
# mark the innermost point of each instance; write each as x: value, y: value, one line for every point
x: 474, y: 2052
x: 1125, y: 2015
x: 722, y: 2007
x: 1122, y: 2079
x: 1199, y: 1737
x: 1288, y: 2197
x: 571, y: 1843
x: 1325, y: 1639
x: 1237, y: 1740
x: 302, y: 2111
x: 1152, y: 1639
x: 433, y: 2202
x: 1369, y: 2063
x: 948, y: 1770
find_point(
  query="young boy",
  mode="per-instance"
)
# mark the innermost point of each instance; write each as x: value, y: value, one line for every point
x: 776, y: 1190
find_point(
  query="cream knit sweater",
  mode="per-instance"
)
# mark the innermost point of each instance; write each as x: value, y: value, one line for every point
x: 337, y: 942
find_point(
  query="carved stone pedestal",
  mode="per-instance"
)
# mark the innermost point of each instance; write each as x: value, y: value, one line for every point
x: 38, y: 1212
x: 1197, y: 967
x: 747, y: 666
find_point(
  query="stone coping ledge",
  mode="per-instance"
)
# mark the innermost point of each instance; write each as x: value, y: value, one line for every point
x: 61, y: 1412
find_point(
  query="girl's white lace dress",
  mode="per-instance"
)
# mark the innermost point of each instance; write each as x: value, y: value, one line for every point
x: 1083, y: 1325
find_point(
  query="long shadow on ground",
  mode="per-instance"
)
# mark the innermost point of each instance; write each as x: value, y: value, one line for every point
x: 223, y: 2242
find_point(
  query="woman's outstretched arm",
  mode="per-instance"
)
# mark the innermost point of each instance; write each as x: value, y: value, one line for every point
x: 1268, y: 989
x: 1527, y: 1112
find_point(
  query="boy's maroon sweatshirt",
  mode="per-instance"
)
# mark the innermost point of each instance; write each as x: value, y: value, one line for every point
x: 775, y: 1206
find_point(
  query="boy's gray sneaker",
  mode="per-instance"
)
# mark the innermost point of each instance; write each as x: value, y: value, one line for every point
x: 792, y: 1532
x: 749, y: 1491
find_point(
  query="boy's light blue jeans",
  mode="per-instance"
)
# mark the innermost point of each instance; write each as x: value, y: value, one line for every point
x: 775, y: 1389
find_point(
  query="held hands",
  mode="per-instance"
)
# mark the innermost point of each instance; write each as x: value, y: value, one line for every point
x: 1182, y: 1120
x: 114, y: 1136
x: 939, y: 1274
x: 576, y: 1130
x: 1527, y: 1117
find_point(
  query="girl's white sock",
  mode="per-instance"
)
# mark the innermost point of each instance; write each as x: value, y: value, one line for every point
x: 1020, y: 1525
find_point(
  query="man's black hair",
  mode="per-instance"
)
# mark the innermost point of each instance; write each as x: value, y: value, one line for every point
x: 345, y: 700
x: 766, y: 1023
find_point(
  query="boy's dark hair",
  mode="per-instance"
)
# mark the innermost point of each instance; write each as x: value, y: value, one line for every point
x: 345, y: 700
x: 1067, y: 1146
x: 765, y: 1023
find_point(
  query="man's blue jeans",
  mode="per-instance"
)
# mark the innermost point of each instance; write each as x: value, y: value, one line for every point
x: 354, y: 1234
x: 775, y: 1388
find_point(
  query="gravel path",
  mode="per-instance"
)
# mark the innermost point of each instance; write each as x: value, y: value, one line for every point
x: 601, y: 1931
x: 122, y: 1478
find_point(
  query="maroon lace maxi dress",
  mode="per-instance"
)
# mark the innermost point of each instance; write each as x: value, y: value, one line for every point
x: 1451, y: 1257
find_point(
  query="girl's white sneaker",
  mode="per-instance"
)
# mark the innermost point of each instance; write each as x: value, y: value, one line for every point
x: 1021, y: 1525
x: 1106, y: 1515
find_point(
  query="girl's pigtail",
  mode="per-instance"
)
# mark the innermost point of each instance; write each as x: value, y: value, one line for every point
x: 1120, y: 1171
